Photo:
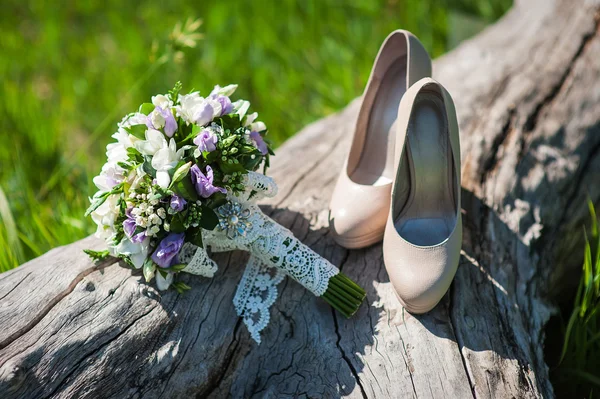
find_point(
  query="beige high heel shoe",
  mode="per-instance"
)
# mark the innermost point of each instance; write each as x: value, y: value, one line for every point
x: 361, y: 198
x: 423, y: 235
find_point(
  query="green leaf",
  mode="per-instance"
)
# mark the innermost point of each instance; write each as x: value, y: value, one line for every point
x: 177, y: 223
x: 96, y: 203
x: 178, y: 267
x: 146, y: 108
x: 100, y: 197
x: 175, y: 91
x: 180, y: 173
x: 97, y: 255
x: 194, y: 236
x: 149, y: 269
x: 184, y: 188
x: 147, y: 166
x: 138, y: 131
x: 181, y: 287
x: 209, y: 219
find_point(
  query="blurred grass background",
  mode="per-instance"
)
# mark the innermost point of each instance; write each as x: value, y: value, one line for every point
x: 71, y: 70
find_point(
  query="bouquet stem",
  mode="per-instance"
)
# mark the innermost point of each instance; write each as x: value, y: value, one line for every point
x: 344, y: 295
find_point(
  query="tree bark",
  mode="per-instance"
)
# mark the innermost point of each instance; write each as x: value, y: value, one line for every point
x: 527, y: 91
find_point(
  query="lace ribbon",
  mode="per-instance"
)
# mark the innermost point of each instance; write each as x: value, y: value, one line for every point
x: 274, y: 252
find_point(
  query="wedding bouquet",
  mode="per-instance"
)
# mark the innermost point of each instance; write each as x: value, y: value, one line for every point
x: 182, y: 177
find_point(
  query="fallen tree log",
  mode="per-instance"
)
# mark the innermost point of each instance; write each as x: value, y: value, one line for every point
x: 527, y: 91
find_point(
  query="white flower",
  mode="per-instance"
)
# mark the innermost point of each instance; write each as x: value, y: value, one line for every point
x: 152, y: 231
x: 250, y: 118
x: 161, y: 213
x: 240, y: 107
x: 110, y: 176
x: 136, y: 118
x: 258, y: 126
x: 224, y: 91
x: 162, y: 101
x: 158, y: 121
x: 137, y: 252
x: 154, y: 219
x: 163, y: 283
x: 165, y: 159
x: 155, y: 140
x: 105, y: 217
x: 194, y: 109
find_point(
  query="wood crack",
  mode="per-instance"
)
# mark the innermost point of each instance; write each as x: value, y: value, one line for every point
x: 457, y: 340
x: 61, y: 385
x: 51, y: 303
x: 15, y: 286
x: 339, y: 339
x: 215, y: 382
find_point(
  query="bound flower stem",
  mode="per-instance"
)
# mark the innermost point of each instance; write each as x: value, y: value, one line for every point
x: 344, y: 294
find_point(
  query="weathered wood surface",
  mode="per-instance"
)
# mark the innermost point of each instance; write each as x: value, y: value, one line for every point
x: 527, y: 91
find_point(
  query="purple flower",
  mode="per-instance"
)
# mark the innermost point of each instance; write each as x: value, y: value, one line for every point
x: 206, y: 140
x: 204, y: 183
x: 226, y: 106
x: 129, y: 227
x: 162, y: 118
x: 177, y: 203
x: 168, y: 249
x: 129, y: 224
x: 259, y: 142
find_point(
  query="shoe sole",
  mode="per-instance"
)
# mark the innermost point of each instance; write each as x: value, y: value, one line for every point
x: 415, y: 309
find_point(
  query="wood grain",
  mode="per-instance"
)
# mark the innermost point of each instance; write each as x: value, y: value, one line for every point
x: 527, y: 91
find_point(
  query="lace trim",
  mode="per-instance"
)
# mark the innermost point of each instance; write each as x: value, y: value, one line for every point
x: 256, y: 293
x: 274, y: 250
x: 198, y: 261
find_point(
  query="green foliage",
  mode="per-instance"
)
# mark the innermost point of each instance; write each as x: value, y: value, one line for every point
x: 71, y: 71
x: 578, y: 373
x: 97, y: 256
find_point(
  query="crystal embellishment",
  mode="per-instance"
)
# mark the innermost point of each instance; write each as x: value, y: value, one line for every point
x: 233, y: 219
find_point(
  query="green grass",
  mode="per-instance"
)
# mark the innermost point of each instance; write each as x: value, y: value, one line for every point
x: 70, y: 72
x: 578, y: 371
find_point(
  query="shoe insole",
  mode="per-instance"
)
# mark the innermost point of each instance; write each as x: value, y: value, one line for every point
x: 376, y: 165
x: 430, y: 214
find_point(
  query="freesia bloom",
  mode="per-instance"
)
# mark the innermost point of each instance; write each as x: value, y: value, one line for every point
x: 204, y: 183
x: 129, y: 226
x: 105, y: 217
x: 162, y: 101
x: 177, y: 203
x: 164, y: 160
x: 136, y: 118
x: 224, y: 91
x: 223, y: 104
x: 155, y: 140
x: 136, y: 251
x: 163, y: 283
x: 165, y: 156
x: 206, y: 140
x: 259, y: 142
x: 160, y: 118
x: 194, y: 109
x: 111, y: 175
x: 168, y: 248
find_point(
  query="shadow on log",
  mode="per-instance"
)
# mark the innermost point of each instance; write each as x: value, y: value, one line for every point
x: 527, y: 91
